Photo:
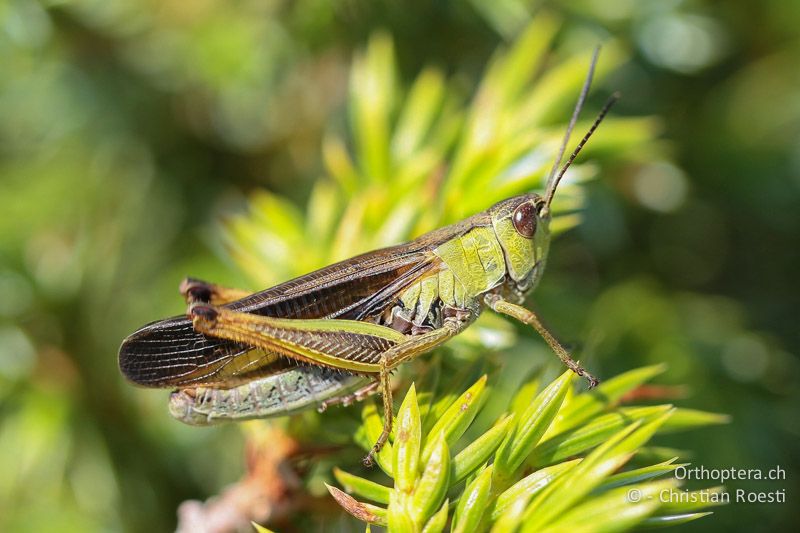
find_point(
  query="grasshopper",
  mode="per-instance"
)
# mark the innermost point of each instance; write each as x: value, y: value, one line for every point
x: 317, y: 338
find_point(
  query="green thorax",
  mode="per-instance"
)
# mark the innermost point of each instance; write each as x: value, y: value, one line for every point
x: 488, y: 255
x: 475, y: 260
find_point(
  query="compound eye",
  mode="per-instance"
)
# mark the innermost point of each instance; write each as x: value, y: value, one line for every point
x: 524, y: 220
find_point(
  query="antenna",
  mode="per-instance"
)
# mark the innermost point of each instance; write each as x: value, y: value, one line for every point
x: 600, y: 116
x: 555, y: 176
x: 575, y: 112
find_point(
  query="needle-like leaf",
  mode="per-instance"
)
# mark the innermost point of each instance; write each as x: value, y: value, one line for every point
x: 407, y: 443
x: 457, y: 418
x: 530, y: 426
x: 433, y: 484
x: 472, y: 504
x: 362, y: 487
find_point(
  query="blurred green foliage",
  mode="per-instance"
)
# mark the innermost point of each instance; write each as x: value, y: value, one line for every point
x: 130, y: 128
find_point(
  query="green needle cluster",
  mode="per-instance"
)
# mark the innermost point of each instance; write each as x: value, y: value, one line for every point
x: 560, y: 461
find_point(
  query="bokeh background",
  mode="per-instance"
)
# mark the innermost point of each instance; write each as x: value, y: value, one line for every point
x: 130, y: 129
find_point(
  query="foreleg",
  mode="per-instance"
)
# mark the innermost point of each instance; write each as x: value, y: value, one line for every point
x: 526, y: 316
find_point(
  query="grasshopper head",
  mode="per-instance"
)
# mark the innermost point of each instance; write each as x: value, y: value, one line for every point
x: 522, y: 226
